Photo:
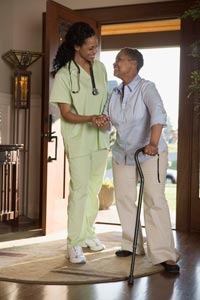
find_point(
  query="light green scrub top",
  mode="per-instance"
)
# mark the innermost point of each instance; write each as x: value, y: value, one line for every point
x: 81, y: 139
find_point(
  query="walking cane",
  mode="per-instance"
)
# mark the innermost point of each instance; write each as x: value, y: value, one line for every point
x: 137, y: 221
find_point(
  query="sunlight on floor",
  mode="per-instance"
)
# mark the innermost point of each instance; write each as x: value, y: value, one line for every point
x: 100, y: 228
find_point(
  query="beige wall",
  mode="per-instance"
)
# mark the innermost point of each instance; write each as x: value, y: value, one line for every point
x: 6, y: 41
x: 21, y: 29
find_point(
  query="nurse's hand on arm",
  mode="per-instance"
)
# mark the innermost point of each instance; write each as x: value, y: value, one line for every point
x: 98, y: 121
x: 152, y: 147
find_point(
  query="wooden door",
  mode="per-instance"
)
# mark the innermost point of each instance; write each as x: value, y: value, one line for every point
x: 188, y: 196
x: 54, y: 166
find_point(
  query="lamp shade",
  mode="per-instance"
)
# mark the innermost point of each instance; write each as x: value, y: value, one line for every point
x: 21, y: 59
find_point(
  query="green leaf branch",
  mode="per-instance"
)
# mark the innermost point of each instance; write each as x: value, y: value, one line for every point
x: 194, y: 87
x: 193, y: 12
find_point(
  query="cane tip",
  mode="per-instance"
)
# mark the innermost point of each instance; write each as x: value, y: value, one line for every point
x: 130, y: 280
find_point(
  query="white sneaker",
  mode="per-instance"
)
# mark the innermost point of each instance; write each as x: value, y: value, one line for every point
x: 94, y: 245
x: 75, y: 255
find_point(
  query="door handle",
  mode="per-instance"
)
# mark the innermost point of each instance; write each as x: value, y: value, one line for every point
x: 51, y: 138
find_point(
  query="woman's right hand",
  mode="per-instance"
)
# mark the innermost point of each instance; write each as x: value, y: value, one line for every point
x: 102, y: 120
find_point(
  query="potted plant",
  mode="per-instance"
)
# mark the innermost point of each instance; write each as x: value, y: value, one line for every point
x: 106, y: 195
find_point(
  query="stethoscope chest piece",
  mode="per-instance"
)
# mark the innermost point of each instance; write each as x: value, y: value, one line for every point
x: 95, y: 91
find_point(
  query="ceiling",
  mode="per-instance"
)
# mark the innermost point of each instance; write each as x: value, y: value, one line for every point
x: 80, y: 4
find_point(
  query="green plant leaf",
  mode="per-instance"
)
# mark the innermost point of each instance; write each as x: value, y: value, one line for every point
x: 193, y: 12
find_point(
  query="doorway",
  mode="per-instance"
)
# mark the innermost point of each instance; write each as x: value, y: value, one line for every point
x: 166, y: 77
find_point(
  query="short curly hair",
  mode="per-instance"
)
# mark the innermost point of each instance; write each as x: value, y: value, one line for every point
x: 75, y: 36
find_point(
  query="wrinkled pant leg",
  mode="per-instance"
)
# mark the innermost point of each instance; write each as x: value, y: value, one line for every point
x: 125, y: 185
x: 160, y: 242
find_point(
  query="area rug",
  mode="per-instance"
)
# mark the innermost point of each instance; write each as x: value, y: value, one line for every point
x: 45, y: 263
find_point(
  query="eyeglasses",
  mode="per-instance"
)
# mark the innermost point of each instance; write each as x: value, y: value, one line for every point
x: 76, y: 91
x: 118, y: 59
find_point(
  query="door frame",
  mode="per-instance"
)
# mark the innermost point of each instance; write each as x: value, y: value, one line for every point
x: 53, y: 195
x: 188, y: 202
x: 188, y: 208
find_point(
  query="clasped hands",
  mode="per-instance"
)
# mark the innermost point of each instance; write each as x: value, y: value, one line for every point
x: 101, y: 121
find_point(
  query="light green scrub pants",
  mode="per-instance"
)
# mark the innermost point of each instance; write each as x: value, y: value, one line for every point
x: 86, y: 176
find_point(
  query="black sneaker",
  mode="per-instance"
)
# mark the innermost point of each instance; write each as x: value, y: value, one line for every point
x: 171, y: 268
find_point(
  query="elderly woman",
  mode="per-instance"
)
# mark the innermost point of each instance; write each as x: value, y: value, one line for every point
x: 136, y: 111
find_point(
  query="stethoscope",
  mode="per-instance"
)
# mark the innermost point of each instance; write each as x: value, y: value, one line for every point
x: 94, y: 89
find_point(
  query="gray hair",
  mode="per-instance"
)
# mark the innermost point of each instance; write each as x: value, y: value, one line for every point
x: 134, y: 54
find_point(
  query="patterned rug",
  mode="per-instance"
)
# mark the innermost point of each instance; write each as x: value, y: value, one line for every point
x: 45, y: 263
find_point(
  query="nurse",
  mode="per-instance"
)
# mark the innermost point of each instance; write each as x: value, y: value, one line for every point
x: 80, y: 91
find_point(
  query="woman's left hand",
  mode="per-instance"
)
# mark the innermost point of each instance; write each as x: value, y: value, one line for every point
x: 150, y: 150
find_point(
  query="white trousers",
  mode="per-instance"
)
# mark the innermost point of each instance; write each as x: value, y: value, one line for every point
x: 160, y: 242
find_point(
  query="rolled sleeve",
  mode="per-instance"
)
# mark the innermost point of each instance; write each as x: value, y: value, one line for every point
x: 60, y: 92
x: 154, y: 105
